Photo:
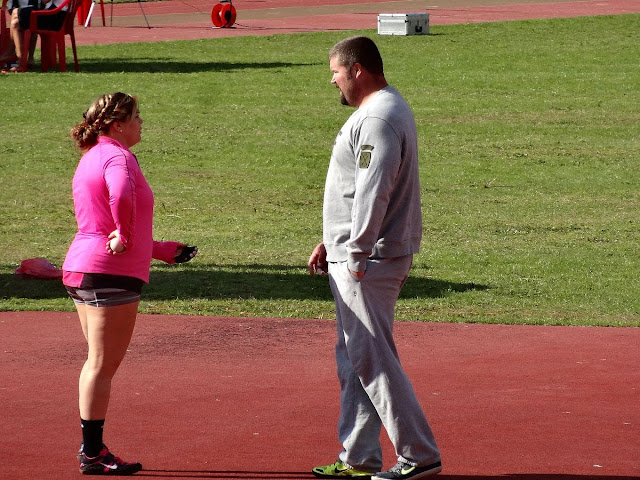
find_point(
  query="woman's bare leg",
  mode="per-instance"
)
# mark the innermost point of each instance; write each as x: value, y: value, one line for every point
x: 108, y: 331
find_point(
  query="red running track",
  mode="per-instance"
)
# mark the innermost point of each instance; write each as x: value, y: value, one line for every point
x: 245, y: 398
x: 191, y: 19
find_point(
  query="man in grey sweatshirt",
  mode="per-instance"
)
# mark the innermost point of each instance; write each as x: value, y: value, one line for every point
x: 372, y: 226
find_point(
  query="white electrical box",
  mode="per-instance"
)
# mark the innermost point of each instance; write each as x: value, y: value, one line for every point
x: 403, y: 24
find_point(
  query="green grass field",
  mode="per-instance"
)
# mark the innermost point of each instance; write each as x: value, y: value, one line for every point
x: 529, y: 137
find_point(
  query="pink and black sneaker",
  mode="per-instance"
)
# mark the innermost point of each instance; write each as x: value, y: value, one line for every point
x: 106, y: 464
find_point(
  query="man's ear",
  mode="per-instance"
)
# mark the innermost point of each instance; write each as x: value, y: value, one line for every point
x: 356, y: 70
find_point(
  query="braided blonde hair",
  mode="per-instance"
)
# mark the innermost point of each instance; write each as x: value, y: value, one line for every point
x: 103, y: 112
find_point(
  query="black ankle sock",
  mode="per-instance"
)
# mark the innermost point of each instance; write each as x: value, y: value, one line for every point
x: 92, y: 437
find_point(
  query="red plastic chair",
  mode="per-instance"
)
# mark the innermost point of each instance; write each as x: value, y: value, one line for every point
x: 52, y: 40
x: 4, y: 31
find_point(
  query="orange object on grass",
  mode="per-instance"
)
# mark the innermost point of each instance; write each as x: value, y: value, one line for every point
x: 223, y: 15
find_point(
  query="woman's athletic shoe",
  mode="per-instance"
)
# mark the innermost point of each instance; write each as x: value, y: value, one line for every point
x: 106, y: 464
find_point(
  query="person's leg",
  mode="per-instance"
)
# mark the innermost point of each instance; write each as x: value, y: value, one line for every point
x: 108, y: 331
x: 367, y: 309
x: 20, y: 21
x: 15, y: 32
x: 82, y: 315
x: 91, y: 429
x: 358, y: 425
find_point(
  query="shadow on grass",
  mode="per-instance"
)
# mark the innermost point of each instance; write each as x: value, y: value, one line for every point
x: 156, y: 65
x: 231, y: 282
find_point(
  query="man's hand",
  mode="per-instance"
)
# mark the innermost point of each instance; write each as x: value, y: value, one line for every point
x: 318, y: 261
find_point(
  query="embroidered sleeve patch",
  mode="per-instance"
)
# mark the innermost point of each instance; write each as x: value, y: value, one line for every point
x: 365, y: 156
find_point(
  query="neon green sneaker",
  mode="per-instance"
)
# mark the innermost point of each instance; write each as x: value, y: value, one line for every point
x: 339, y: 470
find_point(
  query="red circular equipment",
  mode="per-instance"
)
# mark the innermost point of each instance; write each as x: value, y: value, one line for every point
x: 223, y: 15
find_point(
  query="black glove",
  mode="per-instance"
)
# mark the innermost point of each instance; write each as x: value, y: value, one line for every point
x: 187, y: 254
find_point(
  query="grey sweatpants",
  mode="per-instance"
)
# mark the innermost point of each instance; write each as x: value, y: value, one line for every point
x: 375, y: 390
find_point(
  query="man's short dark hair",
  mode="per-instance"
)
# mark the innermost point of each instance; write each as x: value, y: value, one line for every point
x: 360, y: 50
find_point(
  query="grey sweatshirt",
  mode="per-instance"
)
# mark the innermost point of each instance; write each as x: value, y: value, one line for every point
x: 372, y: 192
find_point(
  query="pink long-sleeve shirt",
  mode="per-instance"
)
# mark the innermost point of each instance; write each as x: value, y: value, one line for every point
x: 110, y: 193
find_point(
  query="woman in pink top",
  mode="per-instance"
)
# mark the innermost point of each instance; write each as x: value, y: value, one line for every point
x: 108, y: 261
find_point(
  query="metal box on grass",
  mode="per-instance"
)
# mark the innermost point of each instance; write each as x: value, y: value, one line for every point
x: 403, y: 24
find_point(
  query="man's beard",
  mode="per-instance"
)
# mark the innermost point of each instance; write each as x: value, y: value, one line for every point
x: 343, y: 99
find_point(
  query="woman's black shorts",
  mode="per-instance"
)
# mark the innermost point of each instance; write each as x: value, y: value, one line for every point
x: 103, y: 290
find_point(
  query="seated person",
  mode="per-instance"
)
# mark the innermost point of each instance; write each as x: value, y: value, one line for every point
x: 20, y: 11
